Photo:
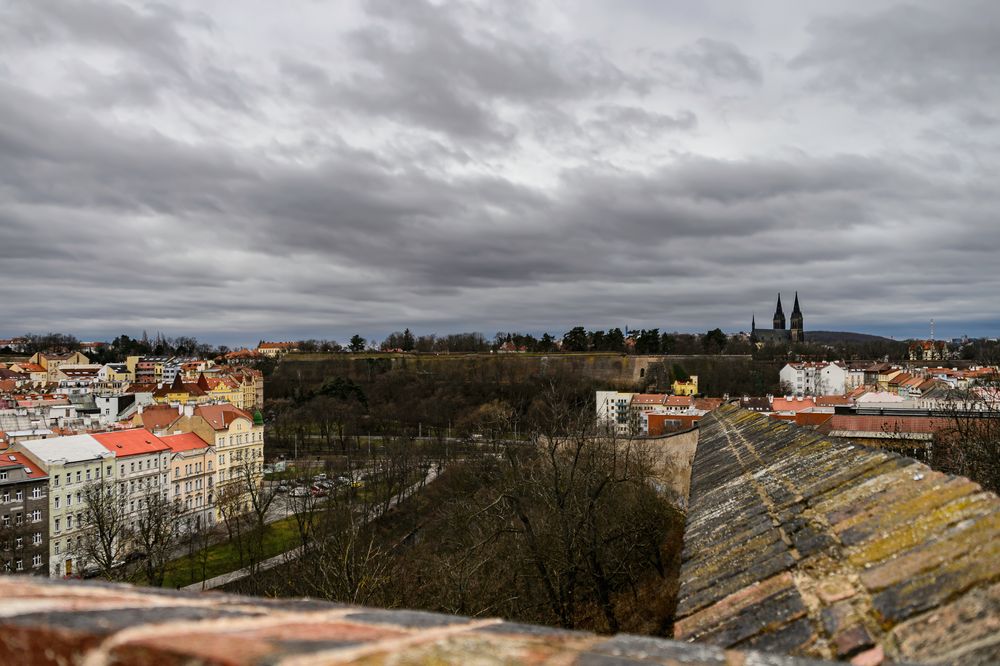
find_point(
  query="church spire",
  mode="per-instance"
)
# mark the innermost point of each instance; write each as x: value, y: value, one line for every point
x: 795, y: 308
x: 779, y: 316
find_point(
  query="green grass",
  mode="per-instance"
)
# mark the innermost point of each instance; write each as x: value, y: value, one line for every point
x: 280, y: 536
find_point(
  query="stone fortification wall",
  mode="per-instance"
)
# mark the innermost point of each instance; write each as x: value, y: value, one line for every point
x: 44, y: 622
x: 812, y: 545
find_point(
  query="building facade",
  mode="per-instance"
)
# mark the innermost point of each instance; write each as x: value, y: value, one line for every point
x: 24, y: 515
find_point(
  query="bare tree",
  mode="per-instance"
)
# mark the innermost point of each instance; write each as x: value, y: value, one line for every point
x: 971, y: 447
x: 156, y: 535
x: 107, y: 535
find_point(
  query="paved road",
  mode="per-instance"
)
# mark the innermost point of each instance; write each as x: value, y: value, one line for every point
x: 270, y: 563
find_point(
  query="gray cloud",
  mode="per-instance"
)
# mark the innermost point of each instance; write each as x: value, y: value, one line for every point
x: 469, y: 166
x: 925, y: 55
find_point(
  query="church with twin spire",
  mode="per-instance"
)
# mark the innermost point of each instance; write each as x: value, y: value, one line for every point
x: 779, y: 333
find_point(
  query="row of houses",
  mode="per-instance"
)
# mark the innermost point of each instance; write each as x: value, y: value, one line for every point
x: 189, y: 459
x: 807, y: 378
x: 651, y: 414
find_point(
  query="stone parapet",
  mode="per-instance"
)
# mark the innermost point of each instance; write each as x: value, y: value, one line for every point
x: 90, y: 624
x: 812, y: 545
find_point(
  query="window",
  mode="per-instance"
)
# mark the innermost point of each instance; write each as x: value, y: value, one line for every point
x: 69, y: 522
x: 36, y: 492
x: 123, y: 469
x: 57, y: 501
x: 57, y: 525
x: 36, y: 516
x: 6, y: 496
x: 3, y: 476
x: 19, y: 495
x: 36, y: 561
x: 19, y: 542
x: 56, y: 480
x: 78, y: 500
x: 177, y: 489
x: 177, y: 471
x: 20, y: 565
x: 131, y: 467
x: 88, y: 475
x: 36, y: 538
x: 78, y: 477
x: 109, y: 470
x: 69, y: 500
x: 58, y: 548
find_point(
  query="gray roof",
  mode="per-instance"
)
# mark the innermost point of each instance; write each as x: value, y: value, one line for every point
x: 72, y: 448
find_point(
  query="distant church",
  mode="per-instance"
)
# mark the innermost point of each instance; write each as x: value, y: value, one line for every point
x: 779, y: 333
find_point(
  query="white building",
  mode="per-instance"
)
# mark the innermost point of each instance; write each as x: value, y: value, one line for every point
x: 814, y: 378
x: 613, y: 408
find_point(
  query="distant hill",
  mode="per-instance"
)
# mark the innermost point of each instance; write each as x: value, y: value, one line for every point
x: 843, y: 336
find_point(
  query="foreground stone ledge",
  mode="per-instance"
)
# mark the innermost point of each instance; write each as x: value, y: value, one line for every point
x: 93, y: 624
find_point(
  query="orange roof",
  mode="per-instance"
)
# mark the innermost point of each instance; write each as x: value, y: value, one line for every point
x: 678, y: 401
x: 708, y: 404
x: 649, y: 398
x: 187, y: 441
x: 21, y: 460
x: 136, y: 442
x: 221, y: 416
x: 158, y: 416
x: 31, y: 367
x: 832, y: 400
x: 794, y: 405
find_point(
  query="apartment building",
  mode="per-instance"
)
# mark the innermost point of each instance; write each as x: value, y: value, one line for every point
x: 71, y: 463
x: 24, y: 514
x: 142, y: 462
x: 191, y: 478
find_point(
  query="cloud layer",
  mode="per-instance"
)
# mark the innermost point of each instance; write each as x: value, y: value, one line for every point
x: 247, y: 172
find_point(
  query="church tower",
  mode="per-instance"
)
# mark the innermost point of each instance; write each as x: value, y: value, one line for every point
x: 798, y: 334
x: 779, y: 316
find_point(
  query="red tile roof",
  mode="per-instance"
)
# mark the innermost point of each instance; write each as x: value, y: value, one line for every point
x: 221, y: 416
x: 138, y: 441
x: 20, y: 460
x: 794, y: 405
x: 886, y: 424
x: 187, y: 441
x: 158, y: 416
x: 649, y: 398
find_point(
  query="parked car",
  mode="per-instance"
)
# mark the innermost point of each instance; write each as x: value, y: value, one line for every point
x: 282, y: 488
x: 299, y: 491
x: 318, y: 491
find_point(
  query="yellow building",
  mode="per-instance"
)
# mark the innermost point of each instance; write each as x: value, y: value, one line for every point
x: 690, y: 387
x: 238, y: 440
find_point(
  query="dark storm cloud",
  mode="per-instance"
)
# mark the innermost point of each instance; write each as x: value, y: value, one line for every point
x: 476, y: 166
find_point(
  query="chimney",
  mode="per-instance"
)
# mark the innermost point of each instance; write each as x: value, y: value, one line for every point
x: 189, y: 410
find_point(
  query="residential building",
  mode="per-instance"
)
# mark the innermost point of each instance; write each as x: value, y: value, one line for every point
x: 689, y: 387
x: 237, y: 438
x: 142, y: 461
x: 24, y: 515
x: 613, y: 408
x: 191, y: 479
x: 71, y: 462
x: 814, y: 378
x: 275, y: 349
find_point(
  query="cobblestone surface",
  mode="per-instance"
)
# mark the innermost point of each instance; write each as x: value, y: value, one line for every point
x: 815, y: 546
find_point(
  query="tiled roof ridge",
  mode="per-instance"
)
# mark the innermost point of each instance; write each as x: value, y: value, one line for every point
x: 813, y: 545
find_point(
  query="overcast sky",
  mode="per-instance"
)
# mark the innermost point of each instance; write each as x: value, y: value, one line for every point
x: 260, y: 169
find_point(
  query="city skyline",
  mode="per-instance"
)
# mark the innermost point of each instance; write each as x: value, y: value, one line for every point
x: 239, y: 172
